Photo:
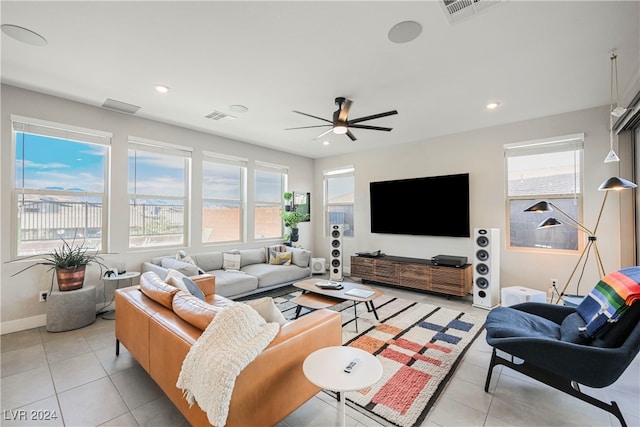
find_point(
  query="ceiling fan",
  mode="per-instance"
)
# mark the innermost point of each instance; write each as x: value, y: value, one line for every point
x: 341, y: 123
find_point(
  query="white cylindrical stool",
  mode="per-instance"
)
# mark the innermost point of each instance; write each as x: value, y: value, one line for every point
x: 71, y: 309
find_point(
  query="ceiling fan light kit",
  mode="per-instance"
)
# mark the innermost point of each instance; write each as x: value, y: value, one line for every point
x: 340, y: 129
x: 341, y: 125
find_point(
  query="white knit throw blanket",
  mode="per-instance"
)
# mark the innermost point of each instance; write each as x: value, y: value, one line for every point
x: 235, y: 337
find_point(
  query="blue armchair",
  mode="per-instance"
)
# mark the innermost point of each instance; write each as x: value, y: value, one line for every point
x: 546, y: 339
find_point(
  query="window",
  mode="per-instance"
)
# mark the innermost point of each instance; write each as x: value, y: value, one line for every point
x: 158, y: 183
x: 59, y: 186
x: 549, y: 170
x: 223, y: 179
x: 269, y: 186
x: 339, y: 185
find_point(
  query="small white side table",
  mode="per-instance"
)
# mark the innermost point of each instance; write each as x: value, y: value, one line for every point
x: 325, y: 368
x: 129, y: 275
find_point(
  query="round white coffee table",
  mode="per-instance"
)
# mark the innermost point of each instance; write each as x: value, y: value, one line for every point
x: 325, y: 368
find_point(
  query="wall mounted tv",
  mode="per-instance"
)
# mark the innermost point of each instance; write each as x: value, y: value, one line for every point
x: 429, y: 206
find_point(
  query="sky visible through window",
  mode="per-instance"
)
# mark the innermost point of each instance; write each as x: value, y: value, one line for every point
x: 58, y: 164
x: 156, y: 174
x: 221, y: 181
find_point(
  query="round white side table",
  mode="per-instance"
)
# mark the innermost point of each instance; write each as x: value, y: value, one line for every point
x: 325, y: 368
x: 129, y: 275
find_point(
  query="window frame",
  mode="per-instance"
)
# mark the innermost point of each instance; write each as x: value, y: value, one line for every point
x: 339, y: 172
x: 572, y: 142
x: 185, y: 152
x: 284, y: 178
x: 28, y: 125
x: 242, y: 164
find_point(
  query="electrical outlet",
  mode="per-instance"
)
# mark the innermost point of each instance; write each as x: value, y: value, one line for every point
x: 42, y: 296
x: 554, y: 282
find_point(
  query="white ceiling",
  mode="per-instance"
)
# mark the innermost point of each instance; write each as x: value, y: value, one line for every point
x: 538, y: 58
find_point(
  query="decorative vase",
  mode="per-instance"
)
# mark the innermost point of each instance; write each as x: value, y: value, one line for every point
x: 294, y: 235
x: 70, y: 279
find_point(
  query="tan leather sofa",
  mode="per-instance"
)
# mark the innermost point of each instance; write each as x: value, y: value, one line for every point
x: 266, y: 391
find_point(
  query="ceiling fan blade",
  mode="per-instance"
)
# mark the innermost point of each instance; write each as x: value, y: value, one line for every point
x: 371, y: 127
x: 374, y: 116
x: 315, y: 117
x: 344, y: 111
x: 308, y: 127
x: 324, y: 133
x: 350, y: 135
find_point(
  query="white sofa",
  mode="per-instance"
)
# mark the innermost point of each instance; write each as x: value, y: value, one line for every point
x: 256, y: 274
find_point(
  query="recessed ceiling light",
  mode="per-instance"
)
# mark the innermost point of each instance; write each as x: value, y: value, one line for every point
x: 162, y: 88
x: 23, y: 35
x: 326, y: 143
x: 238, y: 108
x: 404, y: 32
x: 493, y: 105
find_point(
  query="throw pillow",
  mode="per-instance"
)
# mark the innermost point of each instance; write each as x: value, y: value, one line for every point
x: 231, y: 260
x: 185, y: 257
x: 175, y: 278
x: 267, y: 309
x: 281, y: 259
x: 273, y: 251
x: 301, y: 257
x: 193, y: 288
x: 185, y: 268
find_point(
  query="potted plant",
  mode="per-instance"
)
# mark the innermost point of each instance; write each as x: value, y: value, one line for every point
x: 287, y: 196
x: 291, y: 220
x: 69, y: 262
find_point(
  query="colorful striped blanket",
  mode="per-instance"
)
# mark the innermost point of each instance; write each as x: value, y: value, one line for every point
x: 609, y: 301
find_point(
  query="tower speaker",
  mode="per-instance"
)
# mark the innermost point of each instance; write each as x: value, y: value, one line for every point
x: 335, y: 267
x: 486, y: 268
x: 318, y: 265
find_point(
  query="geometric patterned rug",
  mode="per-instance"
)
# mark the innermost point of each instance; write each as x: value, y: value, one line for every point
x: 418, y: 344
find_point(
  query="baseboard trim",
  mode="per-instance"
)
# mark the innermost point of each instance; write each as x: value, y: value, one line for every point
x: 23, y: 324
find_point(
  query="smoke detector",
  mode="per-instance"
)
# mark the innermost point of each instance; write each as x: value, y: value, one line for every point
x: 459, y: 10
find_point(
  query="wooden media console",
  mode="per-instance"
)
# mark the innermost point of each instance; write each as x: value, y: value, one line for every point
x: 413, y: 273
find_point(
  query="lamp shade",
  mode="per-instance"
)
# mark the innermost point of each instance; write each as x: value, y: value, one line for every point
x: 616, y: 183
x: 549, y: 222
x: 542, y: 206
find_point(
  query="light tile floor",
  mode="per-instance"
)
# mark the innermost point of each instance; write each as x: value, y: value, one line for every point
x: 75, y: 377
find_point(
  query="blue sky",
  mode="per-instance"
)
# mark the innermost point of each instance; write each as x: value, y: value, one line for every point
x: 45, y: 162
x: 52, y: 162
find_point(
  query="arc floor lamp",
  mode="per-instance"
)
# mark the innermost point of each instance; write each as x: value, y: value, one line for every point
x: 614, y: 183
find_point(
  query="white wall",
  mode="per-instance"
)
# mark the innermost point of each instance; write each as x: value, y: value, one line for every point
x: 19, y: 304
x: 480, y: 153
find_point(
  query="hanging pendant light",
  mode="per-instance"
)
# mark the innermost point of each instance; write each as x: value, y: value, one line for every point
x: 614, y: 111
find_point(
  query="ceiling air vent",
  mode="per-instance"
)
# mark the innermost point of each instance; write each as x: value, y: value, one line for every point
x: 458, y: 10
x: 120, y: 106
x: 219, y: 115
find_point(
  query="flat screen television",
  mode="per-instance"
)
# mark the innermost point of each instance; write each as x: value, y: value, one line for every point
x: 429, y: 206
